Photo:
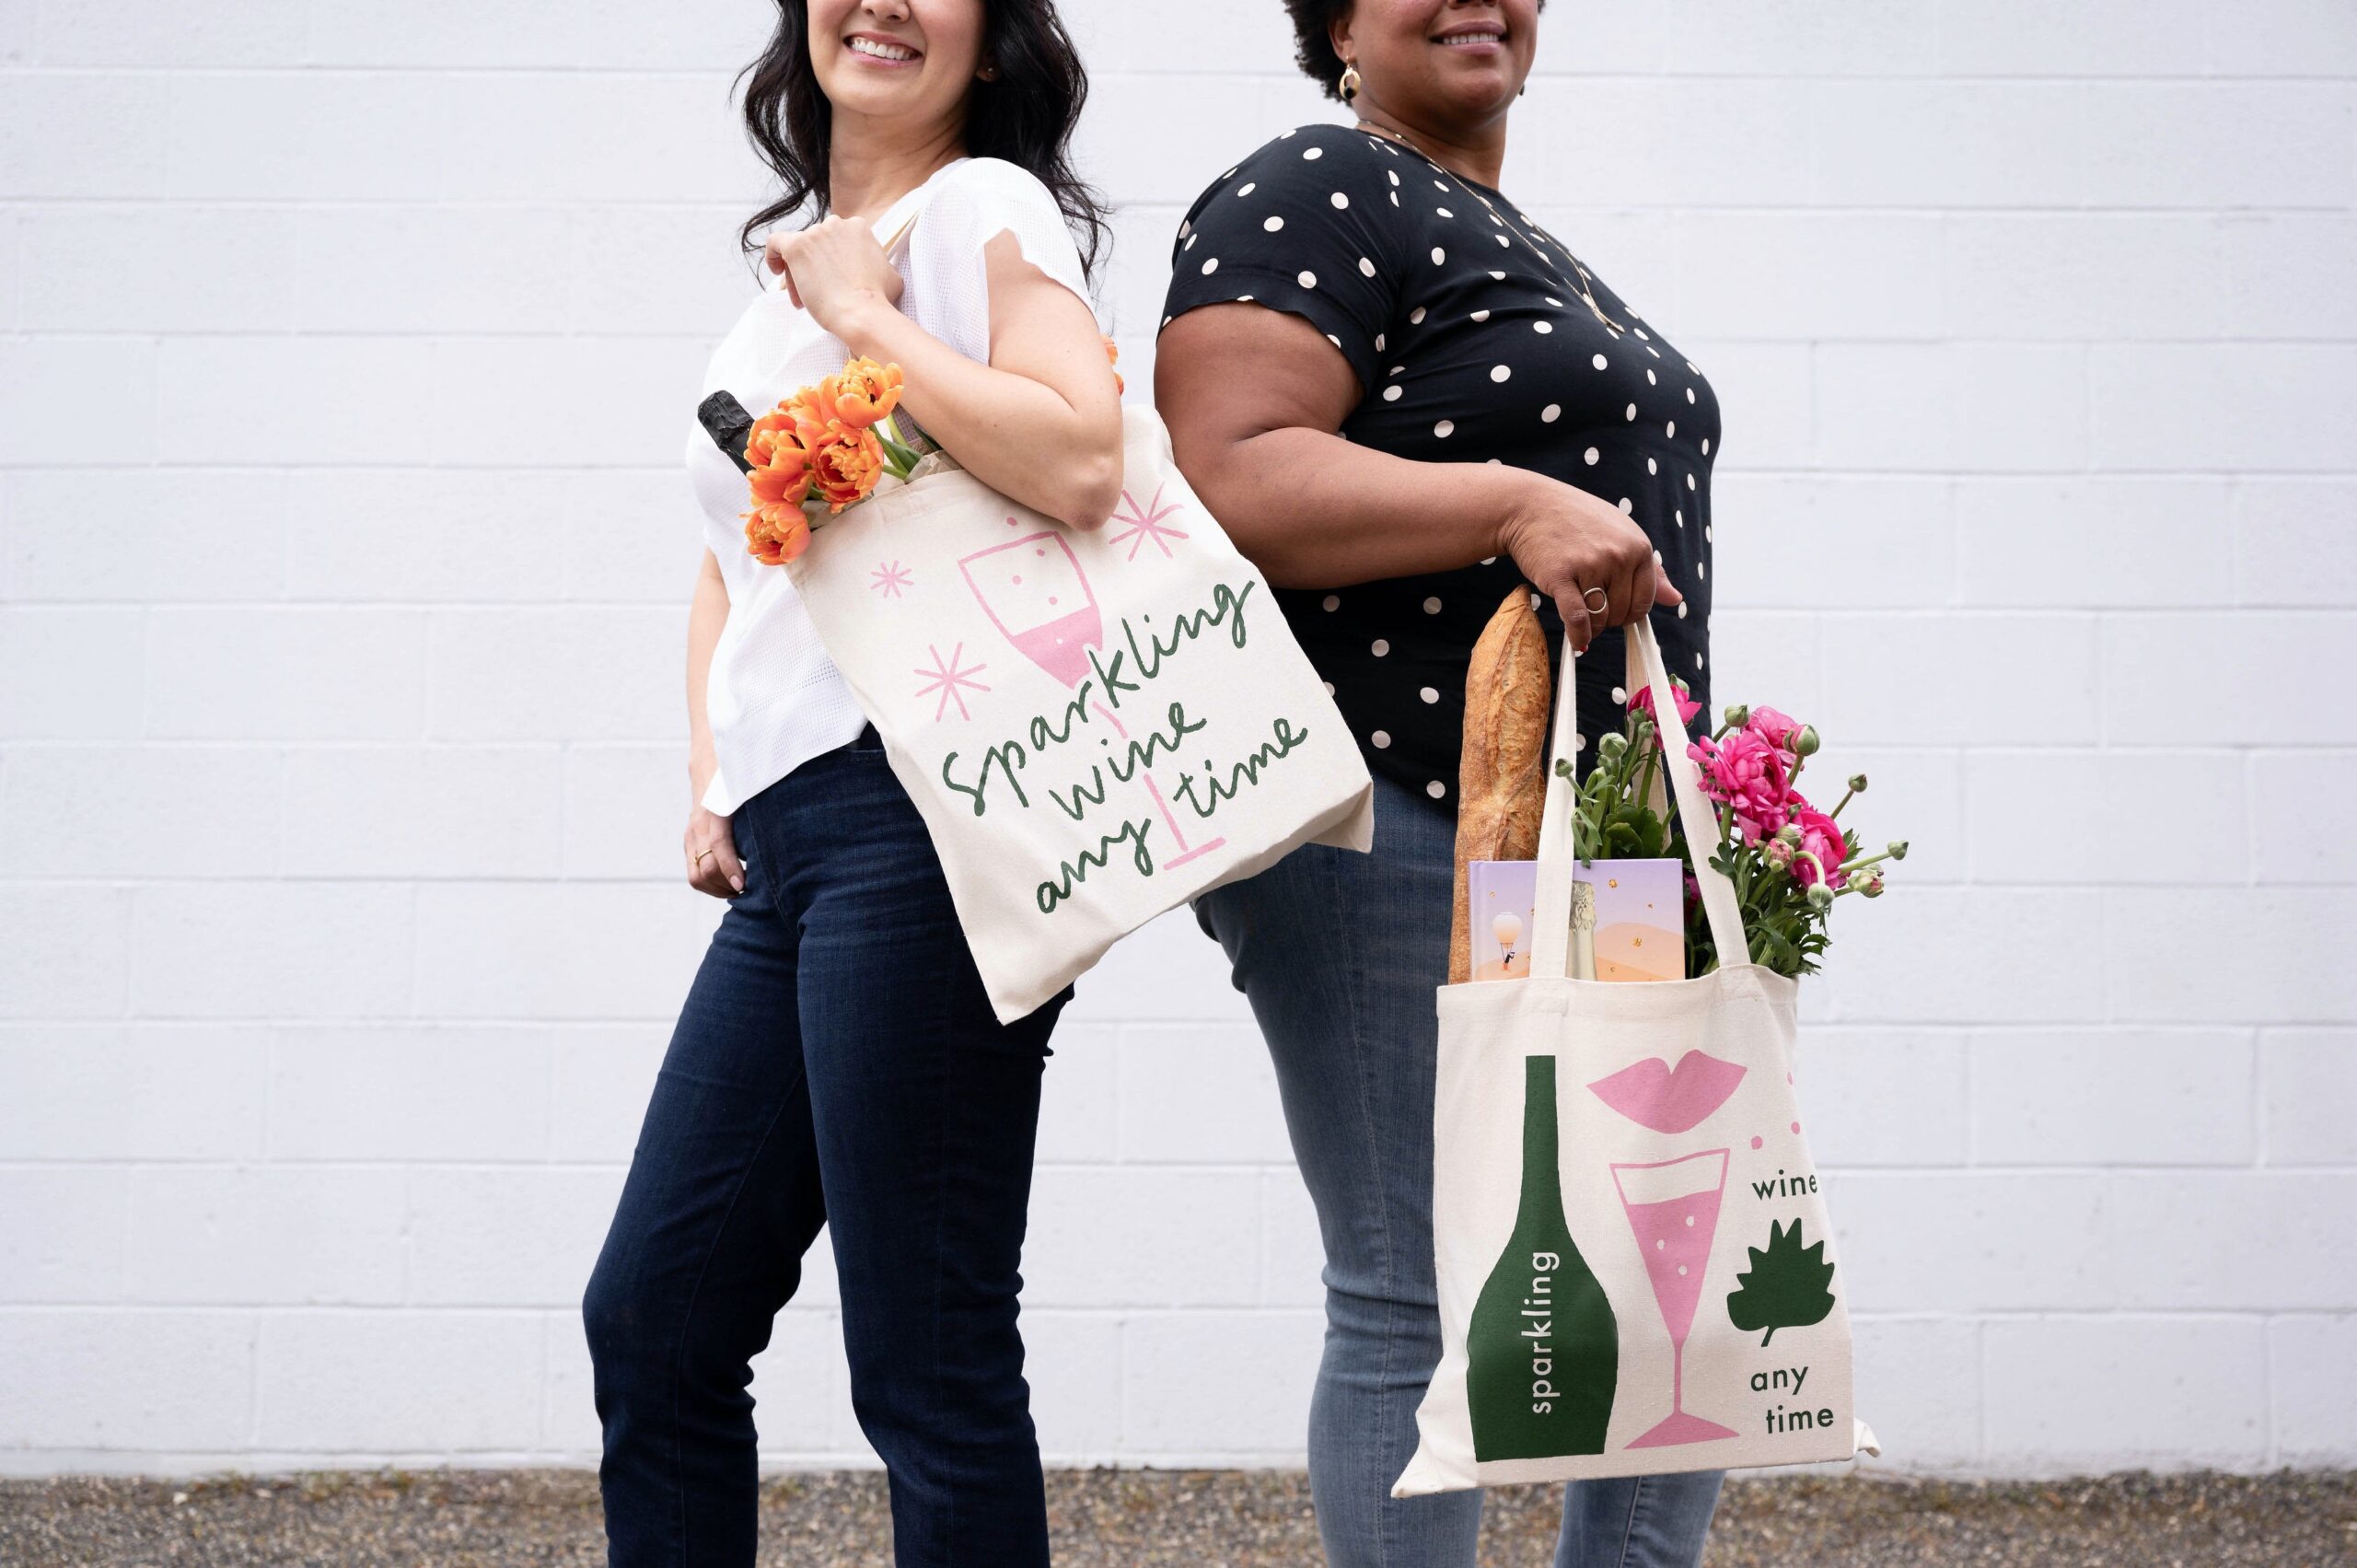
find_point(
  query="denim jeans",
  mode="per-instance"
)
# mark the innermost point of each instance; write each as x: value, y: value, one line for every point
x: 1339, y: 954
x: 836, y: 1063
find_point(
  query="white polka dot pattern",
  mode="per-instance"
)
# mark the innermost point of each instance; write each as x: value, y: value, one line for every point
x: 1519, y: 356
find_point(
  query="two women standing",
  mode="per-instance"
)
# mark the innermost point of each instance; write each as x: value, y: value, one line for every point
x: 1400, y: 397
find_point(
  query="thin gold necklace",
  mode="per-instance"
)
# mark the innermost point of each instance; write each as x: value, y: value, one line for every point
x: 1587, y: 289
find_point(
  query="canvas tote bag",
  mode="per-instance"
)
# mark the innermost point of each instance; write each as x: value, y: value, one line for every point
x: 1096, y: 725
x: 1636, y: 1274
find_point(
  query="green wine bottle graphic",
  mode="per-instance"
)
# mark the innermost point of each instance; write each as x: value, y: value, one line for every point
x: 1543, y: 1351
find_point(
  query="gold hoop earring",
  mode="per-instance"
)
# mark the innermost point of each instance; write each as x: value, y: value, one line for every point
x: 1350, y: 83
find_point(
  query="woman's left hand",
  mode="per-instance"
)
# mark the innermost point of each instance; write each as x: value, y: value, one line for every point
x: 833, y: 269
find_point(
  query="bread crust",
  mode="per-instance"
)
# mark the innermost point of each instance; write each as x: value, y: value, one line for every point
x: 1501, y: 776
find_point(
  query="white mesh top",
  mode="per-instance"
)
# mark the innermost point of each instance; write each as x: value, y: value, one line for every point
x: 773, y: 698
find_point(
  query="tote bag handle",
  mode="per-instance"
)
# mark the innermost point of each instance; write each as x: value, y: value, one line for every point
x: 1551, y: 948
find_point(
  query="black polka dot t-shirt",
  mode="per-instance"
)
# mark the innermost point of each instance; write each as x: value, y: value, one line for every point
x: 1477, y: 338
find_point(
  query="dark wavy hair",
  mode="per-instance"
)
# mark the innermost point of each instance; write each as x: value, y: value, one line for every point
x: 1025, y: 115
x: 1313, y: 40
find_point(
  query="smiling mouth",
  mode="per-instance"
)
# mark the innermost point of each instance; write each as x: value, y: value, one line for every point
x: 1467, y: 40
x: 876, y: 49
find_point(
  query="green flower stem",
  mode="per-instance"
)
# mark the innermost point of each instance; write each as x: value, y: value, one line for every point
x: 1846, y: 796
x: 900, y: 457
x: 1865, y: 860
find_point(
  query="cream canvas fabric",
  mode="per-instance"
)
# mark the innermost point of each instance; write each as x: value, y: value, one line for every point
x: 1635, y: 1270
x: 1096, y: 725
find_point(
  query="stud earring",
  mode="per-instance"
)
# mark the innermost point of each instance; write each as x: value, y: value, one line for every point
x: 1350, y: 83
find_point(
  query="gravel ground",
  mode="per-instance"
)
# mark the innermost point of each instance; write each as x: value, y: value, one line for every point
x: 1174, y: 1519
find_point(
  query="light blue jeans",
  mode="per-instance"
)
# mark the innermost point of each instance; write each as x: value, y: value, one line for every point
x: 1339, y: 954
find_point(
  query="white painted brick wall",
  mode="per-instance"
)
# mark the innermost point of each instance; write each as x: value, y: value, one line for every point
x: 339, y: 740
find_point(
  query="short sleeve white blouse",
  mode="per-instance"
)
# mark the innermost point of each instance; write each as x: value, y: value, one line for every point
x: 773, y: 698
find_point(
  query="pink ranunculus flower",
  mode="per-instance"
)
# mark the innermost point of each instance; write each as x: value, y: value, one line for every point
x: 1777, y: 729
x: 1643, y: 703
x: 1821, y: 836
x: 1748, y: 774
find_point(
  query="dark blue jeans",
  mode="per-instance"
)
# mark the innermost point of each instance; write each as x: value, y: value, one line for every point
x: 836, y: 1063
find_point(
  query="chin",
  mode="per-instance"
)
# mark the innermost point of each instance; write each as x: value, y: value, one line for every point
x: 863, y: 93
x: 1479, y: 95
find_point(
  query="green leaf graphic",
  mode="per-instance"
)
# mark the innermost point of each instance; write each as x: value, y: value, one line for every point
x: 1784, y: 1287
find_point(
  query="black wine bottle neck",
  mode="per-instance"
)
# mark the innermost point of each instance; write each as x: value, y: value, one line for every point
x: 1543, y: 1186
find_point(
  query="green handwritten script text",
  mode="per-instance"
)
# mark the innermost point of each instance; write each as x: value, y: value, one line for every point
x: 1120, y: 675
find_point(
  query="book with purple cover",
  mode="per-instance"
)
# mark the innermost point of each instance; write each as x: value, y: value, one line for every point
x: 1629, y: 925
x: 1500, y: 895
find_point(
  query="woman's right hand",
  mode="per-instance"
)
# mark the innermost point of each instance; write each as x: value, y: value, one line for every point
x: 711, y: 849
x: 1568, y: 542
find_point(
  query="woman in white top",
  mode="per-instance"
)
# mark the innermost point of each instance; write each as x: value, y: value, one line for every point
x: 836, y: 1062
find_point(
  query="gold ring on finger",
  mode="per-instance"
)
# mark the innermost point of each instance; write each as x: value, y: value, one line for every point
x: 700, y: 858
x: 1595, y: 600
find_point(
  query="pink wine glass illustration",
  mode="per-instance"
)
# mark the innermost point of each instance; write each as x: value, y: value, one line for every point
x: 1034, y: 592
x: 1673, y: 1207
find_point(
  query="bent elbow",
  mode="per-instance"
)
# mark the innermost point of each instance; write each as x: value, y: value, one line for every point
x: 1095, y: 490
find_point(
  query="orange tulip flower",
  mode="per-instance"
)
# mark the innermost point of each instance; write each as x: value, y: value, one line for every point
x: 864, y: 393
x: 776, y: 534
x: 845, y: 468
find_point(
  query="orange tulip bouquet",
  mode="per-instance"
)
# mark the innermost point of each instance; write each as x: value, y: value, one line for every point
x: 827, y: 447
x: 820, y: 450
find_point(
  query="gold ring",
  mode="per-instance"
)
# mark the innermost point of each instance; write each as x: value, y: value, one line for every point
x: 1589, y: 598
x: 699, y: 860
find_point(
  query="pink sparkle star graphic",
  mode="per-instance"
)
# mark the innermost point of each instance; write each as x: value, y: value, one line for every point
x: 1145, y: 523
x: 890, y: 579
x: 946, y: 676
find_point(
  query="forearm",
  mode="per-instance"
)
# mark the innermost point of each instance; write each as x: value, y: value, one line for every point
x: 1313, y: 510
x: 706, y: 615
x: 998, y: 424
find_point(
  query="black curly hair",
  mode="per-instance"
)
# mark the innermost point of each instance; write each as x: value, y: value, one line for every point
x: 1313, y: 40
x: 1313, y: 45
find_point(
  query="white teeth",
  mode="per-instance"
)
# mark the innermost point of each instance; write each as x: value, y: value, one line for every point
x: 1476, y: 38
x: 881, y: 50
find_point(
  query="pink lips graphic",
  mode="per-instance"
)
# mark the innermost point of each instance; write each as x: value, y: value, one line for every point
x: 1670, y: 1100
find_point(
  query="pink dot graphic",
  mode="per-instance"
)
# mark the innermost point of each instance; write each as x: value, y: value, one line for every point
x: 1756, y: 1142
x: 1797, y: 1126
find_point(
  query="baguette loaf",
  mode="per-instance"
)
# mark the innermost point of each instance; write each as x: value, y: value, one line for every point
x: 1501, y: 777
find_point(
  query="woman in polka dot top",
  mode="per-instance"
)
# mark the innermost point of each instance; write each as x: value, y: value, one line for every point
x: 1402, y: 397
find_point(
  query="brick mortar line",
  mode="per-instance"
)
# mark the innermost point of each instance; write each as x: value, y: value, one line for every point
x: 134, y: 1165
x: 1308, y: 1311
x: 320, y: 70
x: 2255, y: 1033
x: 460, y: 466
x: 1176, y: 205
